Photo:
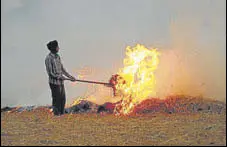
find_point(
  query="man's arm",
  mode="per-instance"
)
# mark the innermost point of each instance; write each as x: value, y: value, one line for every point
x: 66, y: 73
x: 49, y: 68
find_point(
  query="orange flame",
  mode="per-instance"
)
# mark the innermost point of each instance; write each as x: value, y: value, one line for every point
x: 138, y: 75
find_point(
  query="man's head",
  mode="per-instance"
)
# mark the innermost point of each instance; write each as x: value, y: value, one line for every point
x: 53, y: 46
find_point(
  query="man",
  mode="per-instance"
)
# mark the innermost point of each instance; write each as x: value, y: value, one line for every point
x: 55, y: 71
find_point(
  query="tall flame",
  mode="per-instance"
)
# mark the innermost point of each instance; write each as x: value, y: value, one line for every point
x: 138, y: 81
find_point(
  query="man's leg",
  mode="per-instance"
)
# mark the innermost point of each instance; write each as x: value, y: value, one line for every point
x: 63, y: 99
x: 55, y: 90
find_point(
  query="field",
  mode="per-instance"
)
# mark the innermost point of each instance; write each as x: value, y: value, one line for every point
x: 43, y: 129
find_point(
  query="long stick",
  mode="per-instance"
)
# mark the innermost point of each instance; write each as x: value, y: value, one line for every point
x: 94, y: 82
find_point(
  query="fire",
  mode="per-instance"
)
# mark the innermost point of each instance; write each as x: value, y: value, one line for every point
x: 77, y: 101
x: 136, y: 81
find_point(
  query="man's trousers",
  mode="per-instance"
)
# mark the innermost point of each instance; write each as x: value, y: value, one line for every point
x: 58, y: 98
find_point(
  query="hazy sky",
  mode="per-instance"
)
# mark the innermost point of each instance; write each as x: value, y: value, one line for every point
x: 93, y: 35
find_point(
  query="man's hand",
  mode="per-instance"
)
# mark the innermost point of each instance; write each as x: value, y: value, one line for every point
x: 73, y: 79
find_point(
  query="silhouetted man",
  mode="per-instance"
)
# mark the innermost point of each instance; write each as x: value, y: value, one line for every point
x: 55, y: 71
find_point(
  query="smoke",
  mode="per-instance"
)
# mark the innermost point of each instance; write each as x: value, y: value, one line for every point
x: 194, y: 62
x: 101, y: 95
x: 96, y: 93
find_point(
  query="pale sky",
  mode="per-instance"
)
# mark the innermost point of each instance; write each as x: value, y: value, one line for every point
x: 93, y: 34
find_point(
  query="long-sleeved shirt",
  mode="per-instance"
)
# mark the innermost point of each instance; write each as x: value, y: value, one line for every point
x: 55, y: 69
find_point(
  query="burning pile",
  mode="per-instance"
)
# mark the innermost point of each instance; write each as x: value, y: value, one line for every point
x: 169, y: 105
x: 135, y: 82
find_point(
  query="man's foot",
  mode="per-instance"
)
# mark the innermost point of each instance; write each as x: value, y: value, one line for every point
x: 58, y: 116
x: 57, y: 113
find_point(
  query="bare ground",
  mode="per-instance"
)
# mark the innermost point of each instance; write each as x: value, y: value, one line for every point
x: 43, y: 129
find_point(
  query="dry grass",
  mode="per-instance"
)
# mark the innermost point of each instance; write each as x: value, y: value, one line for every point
x: 43, y: 129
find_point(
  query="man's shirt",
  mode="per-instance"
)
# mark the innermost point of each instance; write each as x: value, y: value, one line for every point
x: 55, y: 69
